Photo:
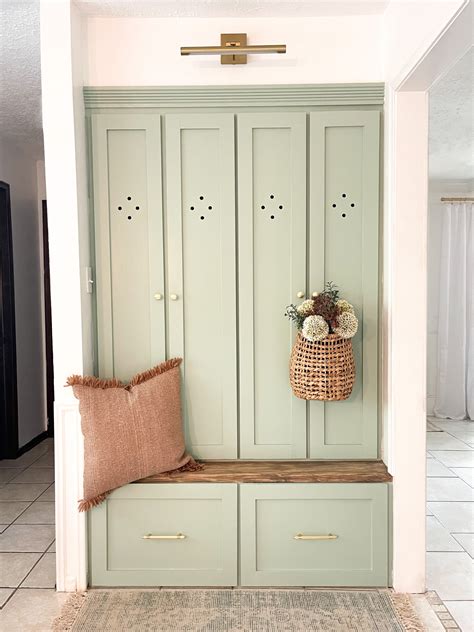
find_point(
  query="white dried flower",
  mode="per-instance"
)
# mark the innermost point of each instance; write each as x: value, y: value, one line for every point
x: 315, y: 328
x: 347, y: 325
x: 305, y: 308
x: 344, y: 306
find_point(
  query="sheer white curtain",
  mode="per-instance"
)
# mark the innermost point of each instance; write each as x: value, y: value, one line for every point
x: 455, y: 380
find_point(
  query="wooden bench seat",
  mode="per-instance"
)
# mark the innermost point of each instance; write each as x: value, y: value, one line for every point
x: 279, y: 472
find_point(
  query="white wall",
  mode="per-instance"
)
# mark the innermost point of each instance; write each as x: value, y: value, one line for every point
x: 66, y: 181
x: 437, y: 189
x: 145, y: 51
x: 410, y: 30
x: 18, y: 169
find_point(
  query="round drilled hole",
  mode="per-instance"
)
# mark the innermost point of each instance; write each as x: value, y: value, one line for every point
x: 201, y: 197
x: 263, y: 208
x: 271, y: 197
x: 129, y: 198
x: 272, y: 216
x: 210, y: 208
x: 343, y: 215
x: 192, y: 208
x: 334, y: 206
x: 137, y: 208
x: 129, y: 217
x: 280, y: 207
x: 343, y: 195
x: 202, y: 216
x: 119, y: 208
x: 352, y: 205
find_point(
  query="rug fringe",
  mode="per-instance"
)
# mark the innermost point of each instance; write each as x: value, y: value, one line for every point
x: 405, y: 610
x: 85, y: 505
x: 69, y: 613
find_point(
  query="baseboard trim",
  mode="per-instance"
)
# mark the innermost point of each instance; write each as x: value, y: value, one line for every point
x: 31, y: 444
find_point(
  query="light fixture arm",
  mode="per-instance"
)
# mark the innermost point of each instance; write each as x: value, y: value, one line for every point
x: 233, y: 49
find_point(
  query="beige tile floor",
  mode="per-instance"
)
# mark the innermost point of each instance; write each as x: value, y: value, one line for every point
x: 28, y: 599
x: 29, y: 602
x: 450, y: 517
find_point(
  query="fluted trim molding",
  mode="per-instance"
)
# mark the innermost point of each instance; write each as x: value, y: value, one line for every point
x: 235, y: 96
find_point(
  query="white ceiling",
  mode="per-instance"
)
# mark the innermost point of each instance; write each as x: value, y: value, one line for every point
x: 230, y: 8
x: 452, y: 123
x: 20, y: 80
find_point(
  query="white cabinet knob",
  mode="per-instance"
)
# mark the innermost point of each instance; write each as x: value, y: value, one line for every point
x: 315, y: 294
x: 300, y: 294
x: 174, y: 297
x: 158, y: 297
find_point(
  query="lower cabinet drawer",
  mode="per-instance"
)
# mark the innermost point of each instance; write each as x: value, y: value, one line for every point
x: 165, y: 535
x: 314, y: 534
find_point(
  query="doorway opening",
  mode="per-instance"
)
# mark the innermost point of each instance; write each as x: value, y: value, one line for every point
x: 8, y: 373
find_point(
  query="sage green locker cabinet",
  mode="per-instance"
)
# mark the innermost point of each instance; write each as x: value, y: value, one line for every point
x: 248, y: 257
x: 314, y: 534
x: 126, y: 154
x: 343, y: 247
x: 165, y: 535
x: 271, y: 151
x: 200, y: 212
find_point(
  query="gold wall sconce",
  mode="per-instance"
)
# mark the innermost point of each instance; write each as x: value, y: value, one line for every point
x: 233, y: 49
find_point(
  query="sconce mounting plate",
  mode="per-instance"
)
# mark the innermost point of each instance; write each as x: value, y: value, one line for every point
x: 233, y: 40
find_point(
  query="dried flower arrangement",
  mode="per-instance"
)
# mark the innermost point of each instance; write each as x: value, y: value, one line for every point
x: 323, y: 314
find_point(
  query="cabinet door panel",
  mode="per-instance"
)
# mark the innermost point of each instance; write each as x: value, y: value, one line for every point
x: 314, y: 534
x: 206, y: 515
x: 128, y: 242
x: 201, y: 270
x: 344, y: 203
x: 272, y: 270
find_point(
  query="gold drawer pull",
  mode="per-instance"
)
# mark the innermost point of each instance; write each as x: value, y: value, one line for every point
x: 329, y: 536
x: 177, y: 536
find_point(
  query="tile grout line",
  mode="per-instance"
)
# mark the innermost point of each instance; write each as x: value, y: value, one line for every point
x: 14, y: 522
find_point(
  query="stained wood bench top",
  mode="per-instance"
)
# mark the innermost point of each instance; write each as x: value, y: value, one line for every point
x: 279, y: 472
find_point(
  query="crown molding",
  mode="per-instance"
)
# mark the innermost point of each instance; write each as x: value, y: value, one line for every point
x: 235, y: 96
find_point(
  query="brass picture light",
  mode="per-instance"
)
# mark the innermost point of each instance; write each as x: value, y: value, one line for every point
x: 233, y: 49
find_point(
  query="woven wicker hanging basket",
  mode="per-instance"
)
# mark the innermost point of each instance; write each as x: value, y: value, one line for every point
x: 323, y: 370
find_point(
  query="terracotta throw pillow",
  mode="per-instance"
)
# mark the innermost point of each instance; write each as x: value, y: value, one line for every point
x: 130, y: 431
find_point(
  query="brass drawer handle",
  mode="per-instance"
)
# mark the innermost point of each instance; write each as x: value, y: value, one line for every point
x: 302, y: 536
x: 177, y: 536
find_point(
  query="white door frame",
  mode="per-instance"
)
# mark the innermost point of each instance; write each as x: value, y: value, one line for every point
x: 405, y: 294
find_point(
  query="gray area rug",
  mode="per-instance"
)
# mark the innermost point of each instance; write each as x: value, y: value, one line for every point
x: 240, y: 610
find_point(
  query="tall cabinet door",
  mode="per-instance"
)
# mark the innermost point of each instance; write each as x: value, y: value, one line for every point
x: 344, y: 210
x: 128, y: 214
x: 272, y: 271
x: 200, y: 212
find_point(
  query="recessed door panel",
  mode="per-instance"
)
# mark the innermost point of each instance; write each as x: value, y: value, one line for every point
x: 344, y: 202
x: 202, y: 282
x: 272, y: 270
x: 129, y: 243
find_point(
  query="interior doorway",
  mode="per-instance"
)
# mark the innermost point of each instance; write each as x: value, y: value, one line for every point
x: 8, y: 373
x: 450, y: 345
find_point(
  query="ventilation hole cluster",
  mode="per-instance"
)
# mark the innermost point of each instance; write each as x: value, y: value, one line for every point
x: 128, y: 208
x: 272, y: 207
x: 343, y: 208
x: 200, y: 207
